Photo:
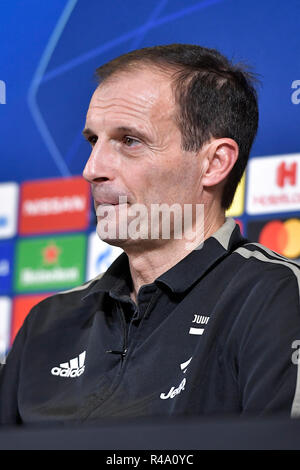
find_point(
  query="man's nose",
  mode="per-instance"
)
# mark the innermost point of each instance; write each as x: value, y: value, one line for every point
x: 98, y: 167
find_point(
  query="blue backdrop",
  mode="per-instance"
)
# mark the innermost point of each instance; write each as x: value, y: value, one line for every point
x: 50, y: 49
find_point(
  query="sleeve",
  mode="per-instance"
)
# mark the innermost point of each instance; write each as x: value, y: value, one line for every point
x: 269, y: 375
x: 9, y: 380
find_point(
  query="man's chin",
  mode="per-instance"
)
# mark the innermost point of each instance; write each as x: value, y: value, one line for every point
x: 111, y: 235
x: 113, y: 241
x: 115, y: 238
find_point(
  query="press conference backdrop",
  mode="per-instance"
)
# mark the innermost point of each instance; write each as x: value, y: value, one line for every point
x: 49, y: 52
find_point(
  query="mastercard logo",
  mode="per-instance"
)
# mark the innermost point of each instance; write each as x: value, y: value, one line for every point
x: 282, y: 237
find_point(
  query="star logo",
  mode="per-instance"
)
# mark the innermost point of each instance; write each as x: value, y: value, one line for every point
x: 51, y: 254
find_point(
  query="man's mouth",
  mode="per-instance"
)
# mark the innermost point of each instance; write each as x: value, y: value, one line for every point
x: 122, y: 201
x: 106, y: 203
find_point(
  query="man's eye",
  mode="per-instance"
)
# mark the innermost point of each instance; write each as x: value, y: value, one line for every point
x: 130, y: 141
x: 92, y: 139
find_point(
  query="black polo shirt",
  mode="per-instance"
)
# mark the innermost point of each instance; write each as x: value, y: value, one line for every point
x: 214, y: 335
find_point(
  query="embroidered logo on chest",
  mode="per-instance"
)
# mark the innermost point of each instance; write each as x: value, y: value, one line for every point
x: 173, y: 390
x: 200, y: 320
x: 74, y: 368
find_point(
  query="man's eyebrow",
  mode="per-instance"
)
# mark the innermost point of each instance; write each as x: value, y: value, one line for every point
x: 132, y: 131
x: 87, y: 132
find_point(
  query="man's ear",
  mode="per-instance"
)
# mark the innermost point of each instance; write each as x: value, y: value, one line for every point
x: 220, y: 156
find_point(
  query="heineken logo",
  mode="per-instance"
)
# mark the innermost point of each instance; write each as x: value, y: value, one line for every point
x: 42, y: 276
x: 50, y: 263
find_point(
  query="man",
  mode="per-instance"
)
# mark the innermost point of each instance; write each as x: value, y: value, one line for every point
x: 193, y: 320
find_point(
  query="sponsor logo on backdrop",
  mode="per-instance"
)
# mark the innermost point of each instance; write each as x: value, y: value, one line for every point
x: 5, y: 318
x: 237, y: 206
x: 280, y: 235
x: 274, y: 184
x: 6, y: 264
x: 296, y: 94
x: 50, y: 263
x: 286, y: 175
x: 54, y: 205
x: 2, y: 92
x: 9, y: 193
x: 22, y: 305
x: 100, y: 256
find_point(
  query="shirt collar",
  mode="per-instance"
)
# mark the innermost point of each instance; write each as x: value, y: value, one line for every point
x: 194, y: 266
x: 179, y: 278
x: 116, y: 280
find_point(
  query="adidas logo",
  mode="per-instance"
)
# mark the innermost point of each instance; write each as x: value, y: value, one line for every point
x: 74, y: 368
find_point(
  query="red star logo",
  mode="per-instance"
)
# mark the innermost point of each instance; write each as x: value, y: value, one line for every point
x: 51, y: 254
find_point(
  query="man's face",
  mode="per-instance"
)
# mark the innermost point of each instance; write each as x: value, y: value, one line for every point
x: 136, y: 147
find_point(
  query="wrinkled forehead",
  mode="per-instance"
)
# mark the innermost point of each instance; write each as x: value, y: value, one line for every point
x: 146, y: 91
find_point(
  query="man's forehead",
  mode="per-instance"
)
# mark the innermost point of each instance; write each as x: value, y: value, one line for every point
x: 146, y: 87
x: 144, y: 93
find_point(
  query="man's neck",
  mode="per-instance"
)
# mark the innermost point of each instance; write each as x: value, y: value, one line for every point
x: 146, y: 265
